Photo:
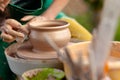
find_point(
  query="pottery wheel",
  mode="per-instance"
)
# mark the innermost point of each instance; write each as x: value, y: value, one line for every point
x: 25, y: 51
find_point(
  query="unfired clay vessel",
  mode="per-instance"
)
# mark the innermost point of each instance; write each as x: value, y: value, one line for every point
x: 57, y: 30
x: 36, y: 53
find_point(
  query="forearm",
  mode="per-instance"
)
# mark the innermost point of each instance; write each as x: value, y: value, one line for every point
x: 55, y: 8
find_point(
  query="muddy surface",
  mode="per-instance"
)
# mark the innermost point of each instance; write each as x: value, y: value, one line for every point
x: 24, y: 51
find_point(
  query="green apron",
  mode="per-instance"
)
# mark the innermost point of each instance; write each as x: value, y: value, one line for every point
x: 17, y: 10
x: 5, y: 73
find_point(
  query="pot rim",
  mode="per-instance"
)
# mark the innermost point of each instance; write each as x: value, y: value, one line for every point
x: 49, y: 24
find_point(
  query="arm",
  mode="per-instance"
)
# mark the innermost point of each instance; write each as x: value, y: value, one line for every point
x: 10, y: 27
x: 9, y: 32
x: 50, y: 13
x: 55, y: 8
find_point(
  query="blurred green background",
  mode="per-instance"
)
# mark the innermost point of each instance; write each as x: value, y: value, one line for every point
x: 87, y: 13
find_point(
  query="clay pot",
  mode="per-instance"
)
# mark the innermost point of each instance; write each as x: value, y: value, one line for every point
x: 57, y: 30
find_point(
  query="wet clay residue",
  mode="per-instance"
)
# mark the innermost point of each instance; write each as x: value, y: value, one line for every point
x: 11, y: 54
x: 12, y: 49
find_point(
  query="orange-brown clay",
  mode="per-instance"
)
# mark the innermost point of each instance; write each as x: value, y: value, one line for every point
x: 57, y: 30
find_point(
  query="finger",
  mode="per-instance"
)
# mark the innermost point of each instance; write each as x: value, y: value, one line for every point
x: 27, y: 18
x: 2, y: 6
x: 2, y: 9
x: 7, y: 40
x: 2, y: 0
x: 14, y: 24
x: 6, y: 2
x: 38, y: 19
x: 17, y: 26
x: 24, y: 29
x: 7, y: 37
x: 13, y: 32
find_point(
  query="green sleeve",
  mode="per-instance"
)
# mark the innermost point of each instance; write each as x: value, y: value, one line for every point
x: 5, y: 72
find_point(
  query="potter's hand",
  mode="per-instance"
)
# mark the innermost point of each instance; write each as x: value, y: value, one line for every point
x: 11, y: 30
x: 34, y: 19
x: 3, y: 4
x: 30, y: 19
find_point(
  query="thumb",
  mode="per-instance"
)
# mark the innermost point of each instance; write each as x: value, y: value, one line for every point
x: 27, y: 18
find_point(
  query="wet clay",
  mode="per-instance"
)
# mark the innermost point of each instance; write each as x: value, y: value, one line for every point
x: 11, y: 50
x: 25, y: 51
x: 57, y: 30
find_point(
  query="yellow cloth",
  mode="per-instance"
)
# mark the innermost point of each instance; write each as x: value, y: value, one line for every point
x: 77, y: 30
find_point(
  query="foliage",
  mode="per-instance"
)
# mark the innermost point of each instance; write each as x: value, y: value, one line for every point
x: 85, y: 20
x: 95, y: 4
x: 117, y: 34
x: 46, y: 73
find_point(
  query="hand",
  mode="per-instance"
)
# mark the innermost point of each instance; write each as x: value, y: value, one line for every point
x: 3, y: 4
x: 11, y: 30
x: 34, y: 19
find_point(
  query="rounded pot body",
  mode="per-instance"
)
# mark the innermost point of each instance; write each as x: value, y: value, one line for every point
x: 55, y: 29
